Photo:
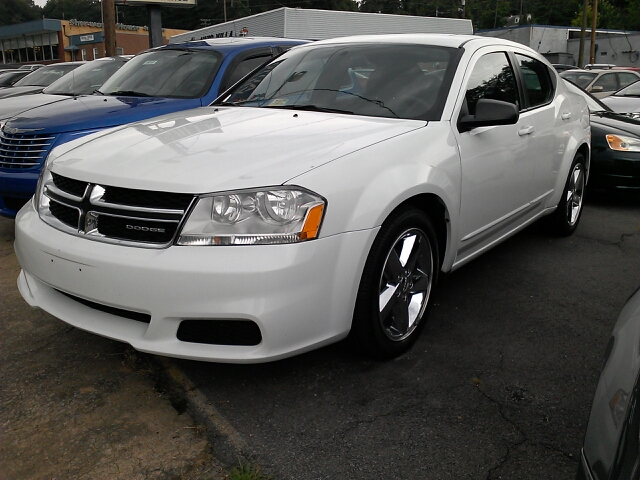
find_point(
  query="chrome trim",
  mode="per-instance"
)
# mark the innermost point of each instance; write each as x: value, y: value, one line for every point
x: 97, y: 201
x: 17, y: 151
x: 17, y: 165
x: 60, y: 193
x: 88, y: 219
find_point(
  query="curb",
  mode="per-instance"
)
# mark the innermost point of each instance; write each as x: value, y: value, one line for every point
x: 226, y: 443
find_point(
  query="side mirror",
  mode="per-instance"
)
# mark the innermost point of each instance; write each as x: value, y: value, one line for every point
x: 489, y: 113
x: 596, y: 88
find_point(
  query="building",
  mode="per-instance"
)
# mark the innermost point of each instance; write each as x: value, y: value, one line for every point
x: 50, y: 41
x: 312, y: 24
x: 562, y: 44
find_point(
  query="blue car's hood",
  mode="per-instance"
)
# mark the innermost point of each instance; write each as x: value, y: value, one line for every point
x: 96, y: 112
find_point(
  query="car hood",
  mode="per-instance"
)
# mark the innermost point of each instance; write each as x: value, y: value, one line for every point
x: 619, y: 121
x: 622, y: 104
x: 96, y: 112
x: 10, y: 107
x: 15, y: 91
x: 211, y: 149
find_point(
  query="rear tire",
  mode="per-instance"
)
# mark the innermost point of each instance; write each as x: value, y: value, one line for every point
x: 564, y: 221
x: 399, y: 275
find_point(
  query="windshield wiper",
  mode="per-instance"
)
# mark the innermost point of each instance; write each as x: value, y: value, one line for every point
x: 312, y: 108
x: 97, y: 91
x: 129, y: 93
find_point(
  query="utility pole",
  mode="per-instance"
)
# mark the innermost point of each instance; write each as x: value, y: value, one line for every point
x: 224, y: 7
x: 155, y: 25
x: 583, y: 29
x: 592, y: 55
x: 109, y: 26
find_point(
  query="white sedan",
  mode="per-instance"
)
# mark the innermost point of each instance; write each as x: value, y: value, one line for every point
x: 318, y: 199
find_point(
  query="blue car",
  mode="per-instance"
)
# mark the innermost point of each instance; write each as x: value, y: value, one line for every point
x: 161, y: 80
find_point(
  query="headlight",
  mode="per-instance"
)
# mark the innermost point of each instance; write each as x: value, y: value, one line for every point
x: 254, y: 217
x: 621, y: 143
x: 41, y: 201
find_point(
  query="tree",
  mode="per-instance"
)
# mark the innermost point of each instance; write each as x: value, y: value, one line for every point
x: 18, y: 11
x: 608, y: 16
x: 85, y: 10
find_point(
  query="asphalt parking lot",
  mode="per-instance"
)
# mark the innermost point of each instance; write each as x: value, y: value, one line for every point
x: 498, y: 386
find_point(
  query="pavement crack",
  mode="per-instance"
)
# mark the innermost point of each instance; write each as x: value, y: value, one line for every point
x: 509, y: 445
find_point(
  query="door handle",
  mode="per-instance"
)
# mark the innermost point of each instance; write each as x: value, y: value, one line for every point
x: 566, y: 116
x: 526, y: 131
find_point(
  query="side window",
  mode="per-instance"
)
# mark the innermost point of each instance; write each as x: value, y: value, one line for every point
x: 607, y: 82
x: 537, y: 82
x: 243, y: 68
x: 626, y: 79
x: 492, y: 78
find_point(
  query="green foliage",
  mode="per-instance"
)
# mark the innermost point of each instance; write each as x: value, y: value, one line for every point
x: 246, y: 472
x: 85, y: 10
x: 18, y: 11
x: 608, y: 16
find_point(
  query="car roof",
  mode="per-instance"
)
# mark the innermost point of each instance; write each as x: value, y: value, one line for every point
x: 229, y: 44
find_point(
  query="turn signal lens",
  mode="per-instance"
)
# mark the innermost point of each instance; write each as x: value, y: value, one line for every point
x: 622, y: 143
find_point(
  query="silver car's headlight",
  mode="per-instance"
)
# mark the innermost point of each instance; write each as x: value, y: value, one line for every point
x: 254, y: 217
x: 622, y: 143
x: 40, y: 200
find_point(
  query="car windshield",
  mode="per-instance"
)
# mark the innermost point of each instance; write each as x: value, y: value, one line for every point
x: 177, y: 73
x: 593, y: 103
x: 396, y: 81
x: 632, y: 90
x: 45, y: 76
x: 86, y: 78
x: 9, y: 78
x: 582, y: 79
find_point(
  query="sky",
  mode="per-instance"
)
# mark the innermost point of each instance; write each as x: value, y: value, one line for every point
x: 40, y: 2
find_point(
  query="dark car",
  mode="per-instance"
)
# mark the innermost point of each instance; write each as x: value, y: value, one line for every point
x: 615, y: 146
x: 37, y: 80
x: 9, y: 77
x: 611, y: 444
x: 159, y: 81
x: 84, y: 81
x: 626, y: 100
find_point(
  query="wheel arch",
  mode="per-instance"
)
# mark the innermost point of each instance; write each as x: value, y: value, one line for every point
x: 586, y: 153
x: 435, y: 208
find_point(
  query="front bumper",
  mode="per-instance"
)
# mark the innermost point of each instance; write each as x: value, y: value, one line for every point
x: 301, y: 296
x: 615, y: 170
x: 16, y: 188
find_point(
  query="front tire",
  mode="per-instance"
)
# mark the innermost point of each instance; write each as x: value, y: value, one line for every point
x: 564, y: 221
x: 399, y: 275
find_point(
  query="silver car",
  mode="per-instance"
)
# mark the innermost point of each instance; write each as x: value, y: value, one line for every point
x: 611, y: 444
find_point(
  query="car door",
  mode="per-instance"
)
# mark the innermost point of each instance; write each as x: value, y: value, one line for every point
x: 544, y: 112
x: 497, y: 171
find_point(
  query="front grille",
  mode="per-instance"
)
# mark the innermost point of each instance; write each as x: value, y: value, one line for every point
x: 115, y: 214
x: 142, y: 231
x: 118, y: 312
x: 24, y: 150
x: 69, y: 185
x: 147, y: 199
x: 67, y: 215
x: 220, y: 332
